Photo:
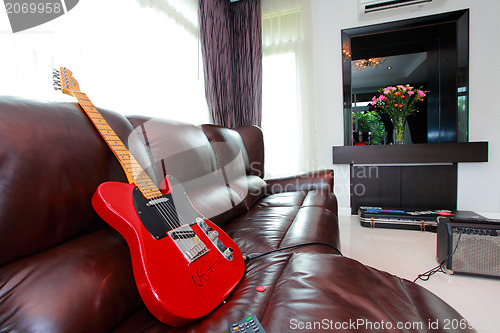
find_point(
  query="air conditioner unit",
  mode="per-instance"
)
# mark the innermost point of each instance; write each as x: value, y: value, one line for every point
x: 372, y: 6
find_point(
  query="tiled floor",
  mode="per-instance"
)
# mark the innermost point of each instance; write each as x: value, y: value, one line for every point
x: 408, y: 253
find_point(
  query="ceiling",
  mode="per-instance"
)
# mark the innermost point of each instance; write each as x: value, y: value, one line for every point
x: 407, y: 68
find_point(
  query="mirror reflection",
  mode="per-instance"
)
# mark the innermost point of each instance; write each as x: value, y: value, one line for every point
x: 369, y: 125
x: 429, y: 53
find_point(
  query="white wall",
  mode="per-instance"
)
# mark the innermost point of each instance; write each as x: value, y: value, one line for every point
x: 478, y: 183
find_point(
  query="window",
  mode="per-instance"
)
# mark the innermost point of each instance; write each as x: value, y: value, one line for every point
x: 288, y: 118
x: 280, y: 113
x: 129, y: 56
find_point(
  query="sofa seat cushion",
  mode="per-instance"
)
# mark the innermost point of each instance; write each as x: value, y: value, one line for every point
x: 287, y: 219
x: 341, y: 294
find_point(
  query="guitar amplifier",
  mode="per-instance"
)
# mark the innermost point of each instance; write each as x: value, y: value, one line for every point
x: 469, y: 248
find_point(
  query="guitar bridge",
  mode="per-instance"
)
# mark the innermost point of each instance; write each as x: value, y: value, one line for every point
x: 188, y: 242
x: 196, y: 252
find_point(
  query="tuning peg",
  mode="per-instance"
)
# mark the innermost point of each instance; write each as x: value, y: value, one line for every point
x: 57, y: 85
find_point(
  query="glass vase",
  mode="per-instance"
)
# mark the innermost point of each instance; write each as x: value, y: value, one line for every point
x: 399, y: 131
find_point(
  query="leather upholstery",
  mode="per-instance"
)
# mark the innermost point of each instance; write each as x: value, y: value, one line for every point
x: 46, y: 186
x: 316, y: 289
x: 228, y: 146
x: 62, y: 269
x: 254, y: 144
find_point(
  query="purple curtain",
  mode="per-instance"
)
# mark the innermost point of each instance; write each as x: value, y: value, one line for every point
x: 232, y: 60
x: 216, y: 54
x: 246, y: 35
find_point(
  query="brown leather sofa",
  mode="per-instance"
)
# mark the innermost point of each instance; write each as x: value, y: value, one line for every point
x: 62, y: 269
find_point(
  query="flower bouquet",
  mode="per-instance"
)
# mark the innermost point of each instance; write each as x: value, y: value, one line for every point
x: 398, y: 103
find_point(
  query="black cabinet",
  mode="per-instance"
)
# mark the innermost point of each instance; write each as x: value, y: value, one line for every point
x: 415, y: 186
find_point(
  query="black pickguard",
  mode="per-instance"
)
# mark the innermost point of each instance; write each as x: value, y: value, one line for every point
x: 150, y: 216
x: 160, y: 218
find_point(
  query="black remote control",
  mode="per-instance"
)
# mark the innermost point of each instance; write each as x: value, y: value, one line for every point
x: 247, y: 325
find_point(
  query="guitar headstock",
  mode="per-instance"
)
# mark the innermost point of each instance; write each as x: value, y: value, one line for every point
x: 64, y: 81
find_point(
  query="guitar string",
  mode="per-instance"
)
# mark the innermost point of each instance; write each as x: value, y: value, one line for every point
x: 172, y: 211
x: 143, y: 182
x: 166, y: 210
x: 108, y: 133
x: 146, y: 185
x: 111, y: 137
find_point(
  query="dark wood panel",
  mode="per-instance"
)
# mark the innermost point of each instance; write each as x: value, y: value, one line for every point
x: 429, y: 187
x: 375, y: 186
x: 412, y: 153
x: 448, y: 71
x: 425, y: 187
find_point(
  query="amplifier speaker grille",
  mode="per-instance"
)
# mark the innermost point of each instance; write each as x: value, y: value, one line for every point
x: 476, y: 254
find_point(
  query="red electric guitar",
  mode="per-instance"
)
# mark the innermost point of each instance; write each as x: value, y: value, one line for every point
x: 184, y: 265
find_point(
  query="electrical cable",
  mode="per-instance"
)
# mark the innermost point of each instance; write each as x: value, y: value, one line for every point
x: 439, y: 268
x: 248, y: 257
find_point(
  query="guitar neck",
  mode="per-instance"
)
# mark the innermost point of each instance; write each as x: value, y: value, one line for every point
x: 135, y: 173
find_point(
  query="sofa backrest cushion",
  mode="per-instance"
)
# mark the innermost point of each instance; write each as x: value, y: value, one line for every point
x: 230, y: 148
x: 176, y: 148
x: 51, y: 162
x: 183, y: 151
x: 253, y: 140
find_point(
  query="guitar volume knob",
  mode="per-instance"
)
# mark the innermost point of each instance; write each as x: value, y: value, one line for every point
x: 228, y: 253
x: 213, y: 234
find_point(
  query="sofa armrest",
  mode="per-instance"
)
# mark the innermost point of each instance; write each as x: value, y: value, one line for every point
x: 320, y: 180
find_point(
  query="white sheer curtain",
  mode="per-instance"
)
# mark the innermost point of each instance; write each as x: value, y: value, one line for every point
x: 288, y: 113
x: 130, y: 56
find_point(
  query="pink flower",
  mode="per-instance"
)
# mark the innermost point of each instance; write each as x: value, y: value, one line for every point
x: 411, y: 92
x: 381, y: 98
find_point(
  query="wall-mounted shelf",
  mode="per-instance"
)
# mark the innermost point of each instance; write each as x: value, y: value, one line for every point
x: 424, y: 153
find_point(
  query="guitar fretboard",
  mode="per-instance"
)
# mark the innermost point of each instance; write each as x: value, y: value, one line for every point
x: 135, y: 173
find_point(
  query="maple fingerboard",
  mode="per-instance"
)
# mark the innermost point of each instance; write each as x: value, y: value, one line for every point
x: 135, y: 173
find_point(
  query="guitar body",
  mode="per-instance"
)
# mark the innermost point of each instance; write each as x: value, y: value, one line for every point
x: 177, y: 286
